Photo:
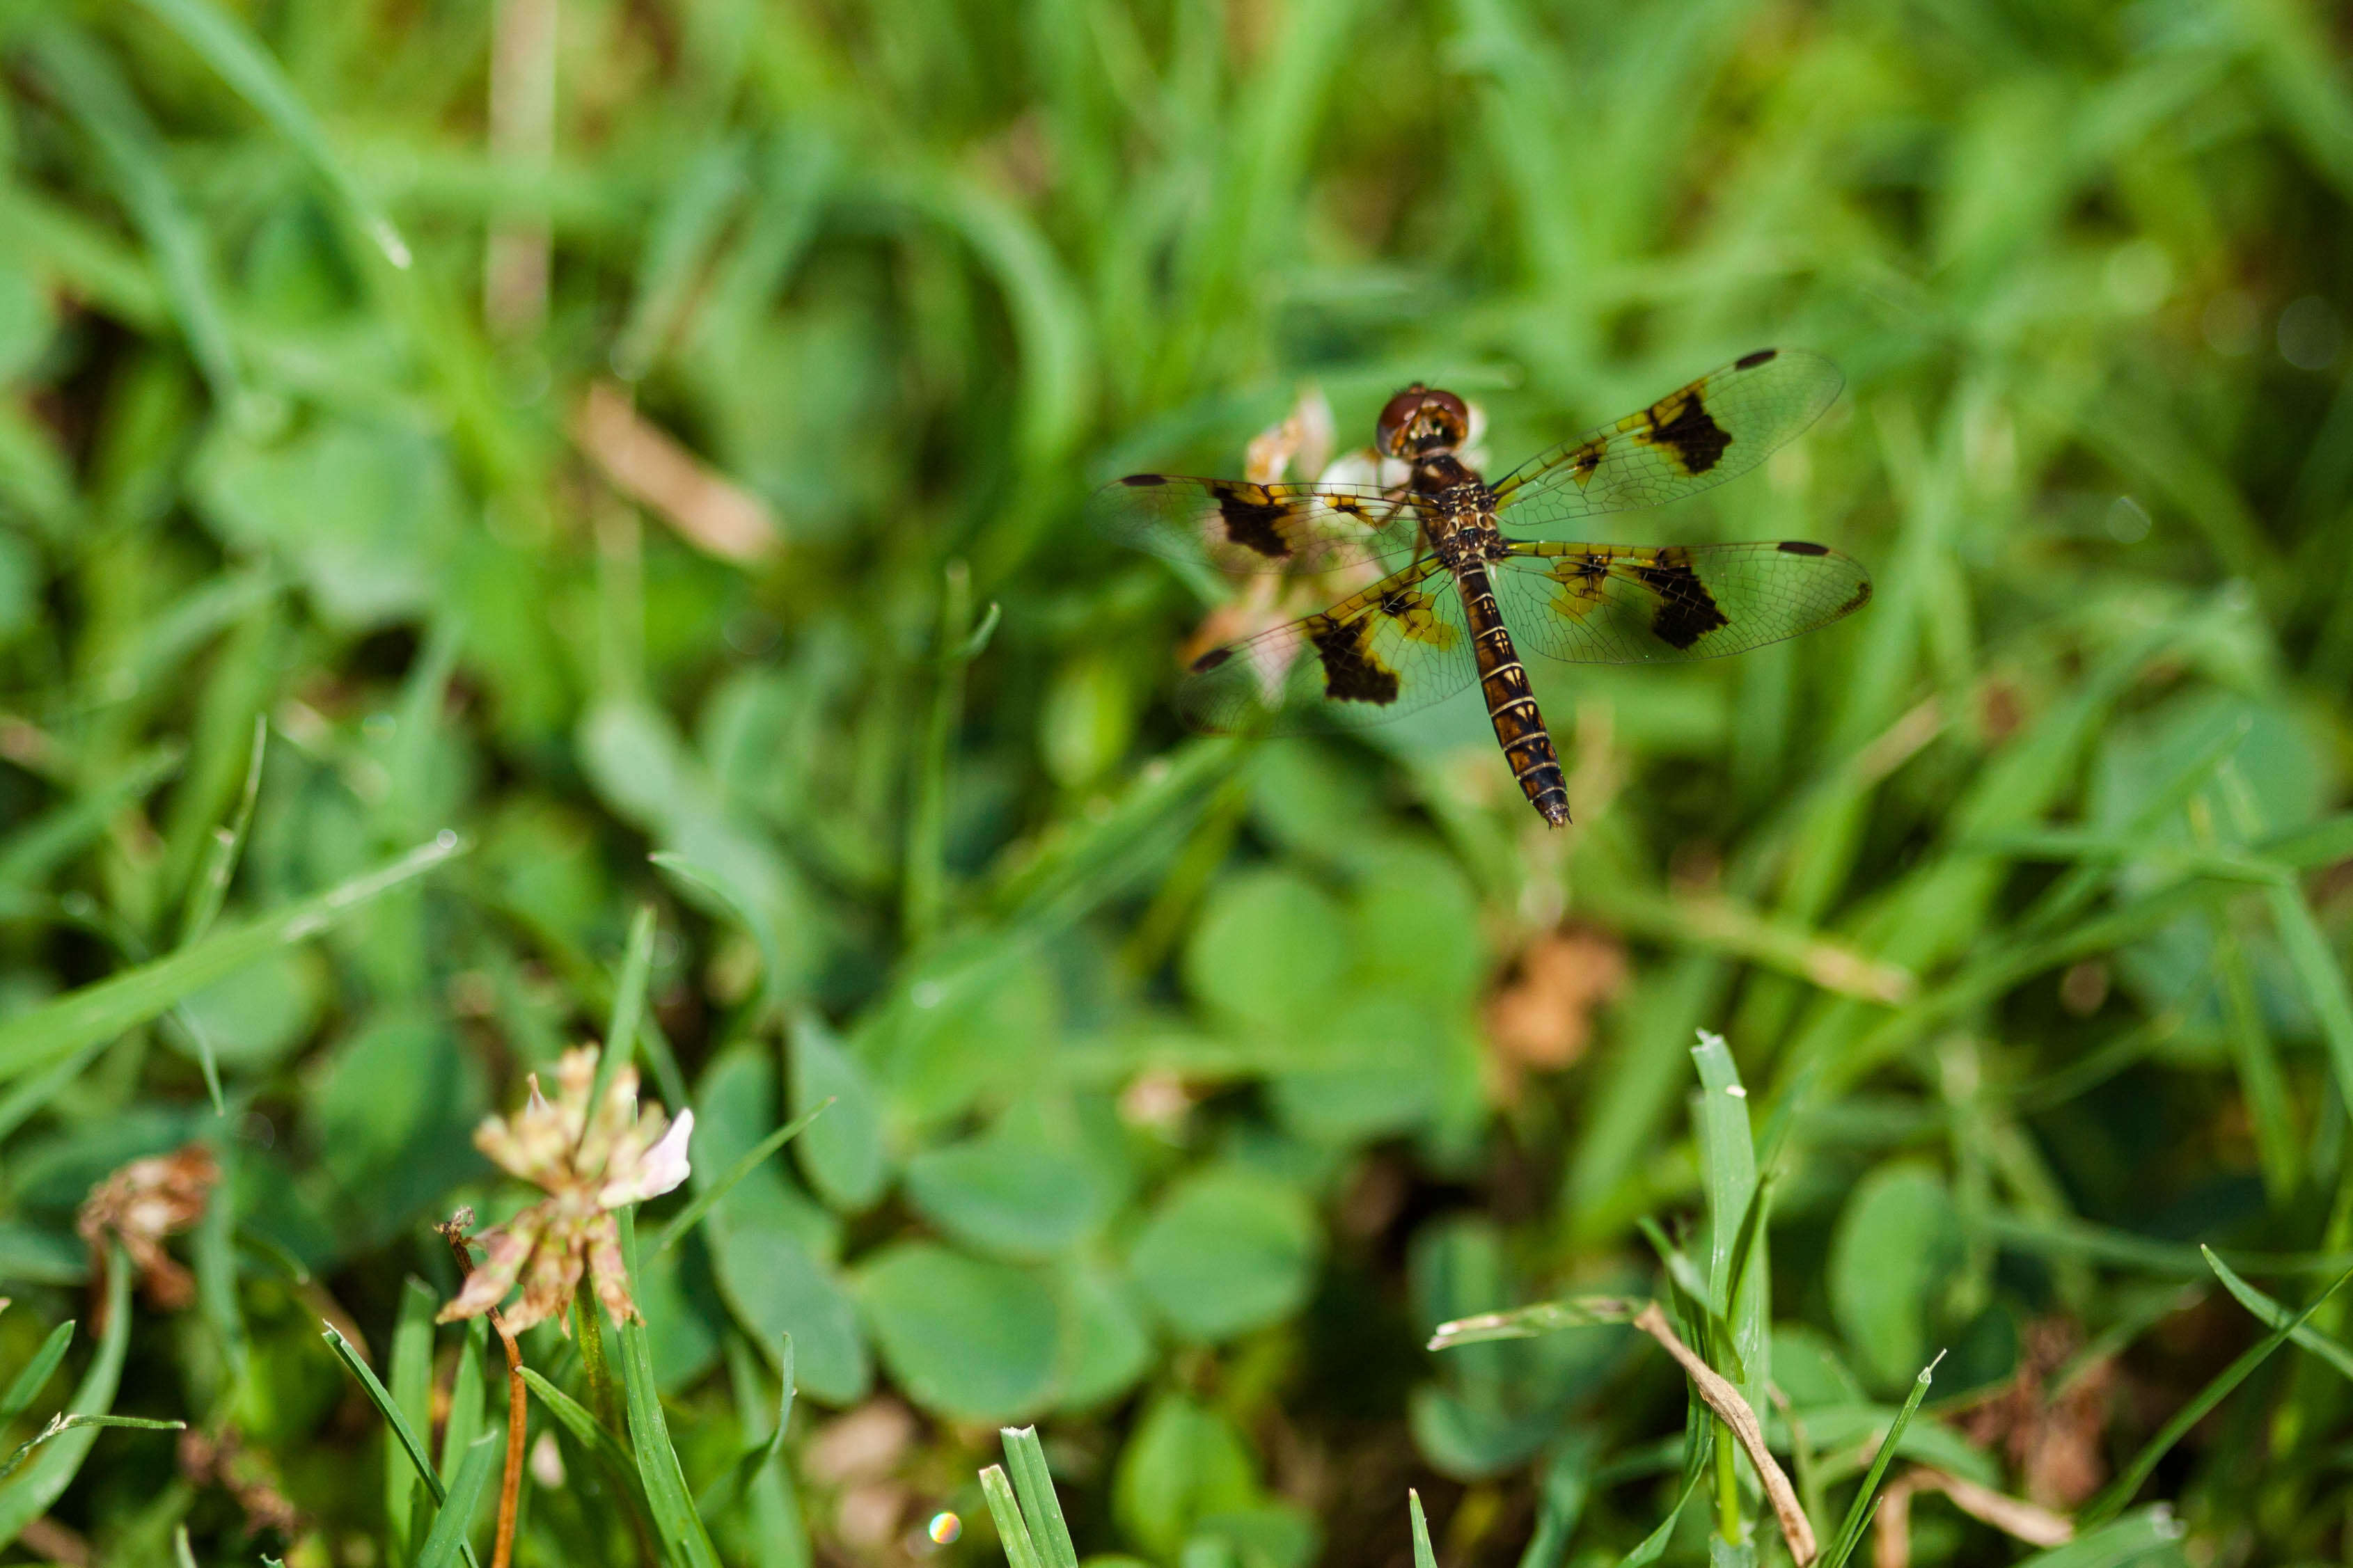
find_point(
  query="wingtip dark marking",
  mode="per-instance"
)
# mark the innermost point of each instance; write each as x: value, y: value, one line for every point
x: 1143, y: 482
x: 1210, y: 660
x: 1692, y: 434
x: 1351, y: 672
x: 1252, y: 525
x: 1804, y: 547
x: 1750, y: 362
x: 1862, y: 597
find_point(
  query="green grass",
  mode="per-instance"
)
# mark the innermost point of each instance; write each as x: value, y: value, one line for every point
x: 364, y: 744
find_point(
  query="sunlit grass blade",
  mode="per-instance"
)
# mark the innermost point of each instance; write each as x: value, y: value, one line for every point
x: 1012, y: 1533
x: 226, y: 45
x: 1543, y: 1318
x: 1858, y: 1512
x: 1424, y: 1556
x: 1033, y: 1485
x: 32, y: 1038
x: 686, y: 1218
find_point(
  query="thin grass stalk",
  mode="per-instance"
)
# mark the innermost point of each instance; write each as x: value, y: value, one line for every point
x: 518, y: 1405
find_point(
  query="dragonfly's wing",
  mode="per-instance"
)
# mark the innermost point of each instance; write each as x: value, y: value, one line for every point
x: 1618, y: 603
x: 1400, y: 645
x: 1697, y: 436
x: 1237, y: 526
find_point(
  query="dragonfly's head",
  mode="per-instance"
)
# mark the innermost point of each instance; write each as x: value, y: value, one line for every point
x: 1421, y: 421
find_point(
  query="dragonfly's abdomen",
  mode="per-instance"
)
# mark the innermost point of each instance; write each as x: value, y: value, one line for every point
x: 1510, y: 705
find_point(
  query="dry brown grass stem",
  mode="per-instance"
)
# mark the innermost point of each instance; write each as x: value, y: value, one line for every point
x: 1733, y: 1411
x: 517, y: 1410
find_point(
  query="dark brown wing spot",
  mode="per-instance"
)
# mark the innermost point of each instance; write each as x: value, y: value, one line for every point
x: 1679, y: 422
x: 1143, y: 482
x: 1804, y: 547
x: 1251, y: 519
x: 1687, y: 611
x: 1351, y: 672
x: 1862, y: 597
x: 1750, y: 362
x: 1212, y: 659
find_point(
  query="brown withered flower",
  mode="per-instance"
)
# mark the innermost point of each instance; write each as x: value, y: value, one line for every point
x: 141, y: 1203
x: 589, y: 1166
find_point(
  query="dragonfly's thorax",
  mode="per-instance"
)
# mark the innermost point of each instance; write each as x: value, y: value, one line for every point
x: 1458, y: 511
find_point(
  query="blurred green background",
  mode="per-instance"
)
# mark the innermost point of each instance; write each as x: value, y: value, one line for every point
x: 752, y: 357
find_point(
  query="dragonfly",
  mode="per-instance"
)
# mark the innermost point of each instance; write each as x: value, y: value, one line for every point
x: 1478, y: 569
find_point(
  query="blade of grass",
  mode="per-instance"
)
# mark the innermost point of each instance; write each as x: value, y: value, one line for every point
x: 466, y: 1417
x: 410, y: 1367
x: 390, y: 1409
x: 959, y: 642
x: 732, y: 1483
x: 2112, y: 1499
x: 25, y: 1497
x: 34, y: 1038
x: 1012, y: 1533
x: 1527, y: 1322
x: 628, y: 1006
x: 62, y: 1424
x: 1033, y: 1485
x: 685, y: 1219
x: 2316, y: 970
x: 1564, y: 1485
x: 2271, y: 1314
x: 94, y: 93
x: 700, y: 198
x: 2260, y: 1080
x: 27, y: 1384
x: 447, y: 1539
x: 667, y: 1498
x: 47, y: 842
x: 225, y: 45
x: 746, y: 910
x: 2127, y: 1540
x: 1696, y: 1464
x: 1729, y: 1154
x: 1738, y: 1416
x: 1858, y: 1513
x: 590, y: 1432
x: 1423, y: 1555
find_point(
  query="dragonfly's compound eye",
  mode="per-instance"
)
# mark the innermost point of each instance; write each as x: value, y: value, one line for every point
x: 1393, y: 433
x: 1419, y: 420
x: 1448, y: 418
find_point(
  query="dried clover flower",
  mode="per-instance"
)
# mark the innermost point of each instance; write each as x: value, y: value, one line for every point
x: 588, y: 1167
x: 141, y: 1203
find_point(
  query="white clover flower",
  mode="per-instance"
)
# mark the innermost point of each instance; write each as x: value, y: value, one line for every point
x: 588, y: 1165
